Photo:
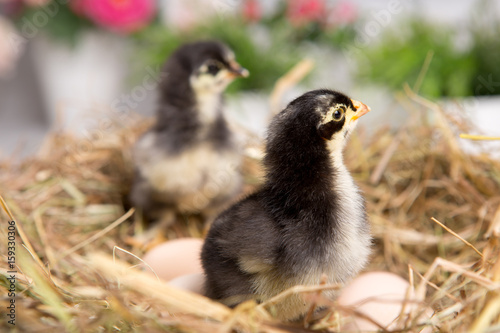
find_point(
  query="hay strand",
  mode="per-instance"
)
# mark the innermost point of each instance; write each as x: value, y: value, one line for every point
x: 478, y: 137
x: 72, y: 200
x: 458, y: 236
x: 98, y: 235
x: 287, y: 81
x: 22, y: 234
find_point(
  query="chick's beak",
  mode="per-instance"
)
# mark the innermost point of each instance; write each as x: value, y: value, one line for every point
x: 361, y: 108
x: 236, y: 70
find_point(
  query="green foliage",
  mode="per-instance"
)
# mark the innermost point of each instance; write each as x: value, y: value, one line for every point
x: 268, y: 49
x: 56, y: 19
x: 486, y: 52
x: 400, y: 56
x: 269, y: 55
x: 265, y: 63
x: 283, y: 30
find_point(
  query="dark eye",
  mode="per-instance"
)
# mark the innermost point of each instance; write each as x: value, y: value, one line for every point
x: 212, y: 69
x: 338, y: 114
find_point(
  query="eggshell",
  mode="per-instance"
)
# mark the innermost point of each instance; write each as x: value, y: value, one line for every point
x: 176, y: 258
x: 191, y: 282
x: 380, y: 296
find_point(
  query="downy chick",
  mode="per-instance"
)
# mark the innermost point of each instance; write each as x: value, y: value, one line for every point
x: 308, y: 219
x: 189, y: 160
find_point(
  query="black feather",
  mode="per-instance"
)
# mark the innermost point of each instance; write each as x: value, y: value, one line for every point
x: 177, y: 116
x: 288, y: 223
x: 179, y: 128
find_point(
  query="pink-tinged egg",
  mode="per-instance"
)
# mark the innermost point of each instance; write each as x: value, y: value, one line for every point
x: 380, y: 296
x: 191, y: 282
x: 175, y: 258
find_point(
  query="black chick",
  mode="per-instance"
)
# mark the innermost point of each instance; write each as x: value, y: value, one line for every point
x: 189, y: 160
x: 308, y: 219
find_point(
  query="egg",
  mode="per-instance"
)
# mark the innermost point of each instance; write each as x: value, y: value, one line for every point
x: 175, y: 258
x: 380, y: 296
x: 191, y: 282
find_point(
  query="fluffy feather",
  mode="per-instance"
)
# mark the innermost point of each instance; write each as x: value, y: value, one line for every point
x: 307, y: 220
x: 189, y: 160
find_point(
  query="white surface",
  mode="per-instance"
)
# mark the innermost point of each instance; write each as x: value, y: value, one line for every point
x: 79, y: 84
x: 28, y: 140
x: 483, y: 114
x: 22, y: 120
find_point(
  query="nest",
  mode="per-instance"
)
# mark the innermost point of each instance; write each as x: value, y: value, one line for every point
x: 434, y: 213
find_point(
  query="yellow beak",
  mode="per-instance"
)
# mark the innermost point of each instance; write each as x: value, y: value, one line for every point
x: 361, y: 108
x: 237, y: 71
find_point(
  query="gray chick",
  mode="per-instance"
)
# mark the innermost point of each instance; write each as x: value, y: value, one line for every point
x: 189, y: 160
x: 308, y: 218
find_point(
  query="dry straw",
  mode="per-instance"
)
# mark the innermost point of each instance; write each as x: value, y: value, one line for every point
x: 435, y: 215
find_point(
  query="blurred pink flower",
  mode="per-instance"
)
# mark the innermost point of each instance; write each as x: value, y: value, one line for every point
x: 123, y: 16
x: 252, y: 11
x: 343, y: 13
x: 301, y: 12
x: 11, y: 8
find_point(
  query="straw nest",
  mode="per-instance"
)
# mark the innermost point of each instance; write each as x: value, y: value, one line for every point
x: 434, y: 212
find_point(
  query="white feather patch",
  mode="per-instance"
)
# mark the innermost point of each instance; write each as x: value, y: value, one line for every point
x: 194, y: 177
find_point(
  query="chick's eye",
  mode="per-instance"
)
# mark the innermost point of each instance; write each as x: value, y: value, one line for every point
x: 212, y: 69
x: 338, y: 114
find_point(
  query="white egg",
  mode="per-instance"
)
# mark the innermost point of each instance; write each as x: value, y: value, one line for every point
x: 191, y: 282
x: 380, y: 296
x: 175, y: 258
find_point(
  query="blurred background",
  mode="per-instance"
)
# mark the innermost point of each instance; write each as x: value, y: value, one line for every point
x: 75, y: 65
